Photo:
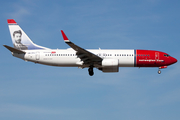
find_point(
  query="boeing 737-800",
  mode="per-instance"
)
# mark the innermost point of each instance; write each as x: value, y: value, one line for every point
x: 106, y: 60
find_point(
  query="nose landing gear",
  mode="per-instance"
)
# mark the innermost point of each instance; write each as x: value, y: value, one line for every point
x: 91, y: 72
x: 159, y: 71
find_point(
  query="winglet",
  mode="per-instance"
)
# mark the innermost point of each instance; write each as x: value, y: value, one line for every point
x: 64, y: 36
x: 11, y: 21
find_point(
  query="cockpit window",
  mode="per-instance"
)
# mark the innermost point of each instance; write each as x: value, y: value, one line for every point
x: 166, y: 55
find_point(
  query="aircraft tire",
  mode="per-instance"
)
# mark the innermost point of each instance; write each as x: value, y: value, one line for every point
x: 91, y: 72
x: 159, y: 71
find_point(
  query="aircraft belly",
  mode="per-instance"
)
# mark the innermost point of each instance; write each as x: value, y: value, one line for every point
x: 60, y: 61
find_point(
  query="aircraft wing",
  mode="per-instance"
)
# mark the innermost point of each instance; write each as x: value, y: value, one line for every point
x: 85, y: 56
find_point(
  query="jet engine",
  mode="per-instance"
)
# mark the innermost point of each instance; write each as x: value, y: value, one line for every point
x: 110, y: 65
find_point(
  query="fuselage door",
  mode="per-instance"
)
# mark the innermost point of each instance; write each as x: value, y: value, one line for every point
x: 37, y: 55
x: 156, y: 56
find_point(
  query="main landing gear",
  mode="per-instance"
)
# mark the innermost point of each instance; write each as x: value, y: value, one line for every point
x: 91, y: 72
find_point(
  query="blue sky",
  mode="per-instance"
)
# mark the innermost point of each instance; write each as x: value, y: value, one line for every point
x: 32, y: 91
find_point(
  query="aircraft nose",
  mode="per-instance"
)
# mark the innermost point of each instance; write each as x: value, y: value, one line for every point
x: 174, y: 60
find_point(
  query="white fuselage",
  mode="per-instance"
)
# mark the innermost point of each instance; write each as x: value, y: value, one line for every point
x: 68, y: 57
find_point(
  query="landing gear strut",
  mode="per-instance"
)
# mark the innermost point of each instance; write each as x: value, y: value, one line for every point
x: 161, y: 67
x: 91, y: 72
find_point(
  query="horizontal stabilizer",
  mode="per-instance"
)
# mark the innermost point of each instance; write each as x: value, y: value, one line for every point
x: 14, y: 50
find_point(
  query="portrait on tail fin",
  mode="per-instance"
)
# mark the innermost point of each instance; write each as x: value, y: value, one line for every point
x: 17, y: 40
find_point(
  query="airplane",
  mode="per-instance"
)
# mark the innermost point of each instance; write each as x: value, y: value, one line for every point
x: 106, y: 60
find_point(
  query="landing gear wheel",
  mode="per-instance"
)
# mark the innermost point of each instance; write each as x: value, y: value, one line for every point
x: 159, y: 71
x: 91, y: 72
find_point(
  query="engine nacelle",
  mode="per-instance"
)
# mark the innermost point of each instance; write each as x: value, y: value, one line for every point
x: 110, y: 65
